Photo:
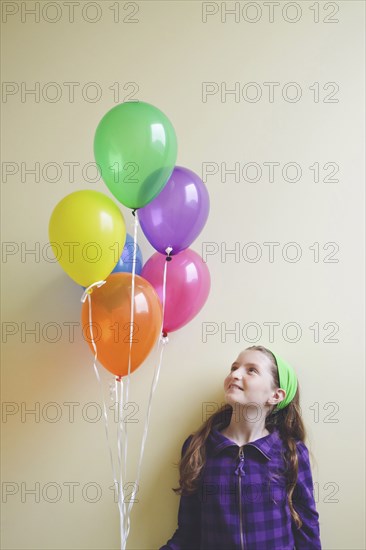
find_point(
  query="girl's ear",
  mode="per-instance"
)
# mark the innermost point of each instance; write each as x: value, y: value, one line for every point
x: 278, y: 395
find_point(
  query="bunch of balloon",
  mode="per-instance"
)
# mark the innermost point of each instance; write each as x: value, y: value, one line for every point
x: 135, y: 148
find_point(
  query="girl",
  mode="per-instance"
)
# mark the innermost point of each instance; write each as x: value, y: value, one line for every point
x: 245, y: 476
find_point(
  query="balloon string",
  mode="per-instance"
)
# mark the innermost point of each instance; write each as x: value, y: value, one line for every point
x: 123, y: 426
x: 162, y: 340
x: 136, y: 223
x: 120, y: 426
x: 88, y: 295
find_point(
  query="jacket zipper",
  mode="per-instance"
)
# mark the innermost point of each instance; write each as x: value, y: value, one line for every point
x: 241, y: 465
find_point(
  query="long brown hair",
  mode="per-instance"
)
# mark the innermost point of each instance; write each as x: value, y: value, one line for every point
x: 288, y: 421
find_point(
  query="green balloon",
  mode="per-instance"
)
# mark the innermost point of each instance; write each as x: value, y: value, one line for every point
x: 135, y: 147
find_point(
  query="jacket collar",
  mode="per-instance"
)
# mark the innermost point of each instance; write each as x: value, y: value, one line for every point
x: 267, y: 445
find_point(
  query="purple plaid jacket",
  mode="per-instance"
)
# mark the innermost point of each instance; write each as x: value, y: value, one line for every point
x: 241, y: 501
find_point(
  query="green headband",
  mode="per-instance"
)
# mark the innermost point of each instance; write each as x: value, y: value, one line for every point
x: 288, y: 381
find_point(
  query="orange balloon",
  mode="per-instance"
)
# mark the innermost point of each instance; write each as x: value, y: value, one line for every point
x: 111, y: 322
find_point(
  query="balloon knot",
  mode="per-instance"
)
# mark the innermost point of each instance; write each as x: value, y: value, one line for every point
x: 90, y: 289
x: 168, y: 250
x: 118, y: 378
x: 133, y: 211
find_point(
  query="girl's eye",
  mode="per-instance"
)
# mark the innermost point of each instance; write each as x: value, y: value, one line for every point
x: 251, y: 368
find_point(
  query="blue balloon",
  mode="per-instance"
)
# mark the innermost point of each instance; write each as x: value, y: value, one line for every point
x: 128, y: 256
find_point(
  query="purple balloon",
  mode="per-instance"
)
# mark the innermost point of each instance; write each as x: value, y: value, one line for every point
x: 178, y: 214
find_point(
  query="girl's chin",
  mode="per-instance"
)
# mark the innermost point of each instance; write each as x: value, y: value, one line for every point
x: 232, y: 399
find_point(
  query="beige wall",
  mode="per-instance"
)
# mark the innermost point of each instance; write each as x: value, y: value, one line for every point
x: 317, y: 303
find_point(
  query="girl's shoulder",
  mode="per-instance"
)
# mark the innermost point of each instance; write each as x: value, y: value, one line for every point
x: 301, y: 448
x: 303, y: 455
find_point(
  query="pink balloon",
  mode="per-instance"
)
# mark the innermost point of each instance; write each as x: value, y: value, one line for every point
x: 188, y: 285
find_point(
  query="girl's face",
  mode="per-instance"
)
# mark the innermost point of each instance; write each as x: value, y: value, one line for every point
x: 249, y: 380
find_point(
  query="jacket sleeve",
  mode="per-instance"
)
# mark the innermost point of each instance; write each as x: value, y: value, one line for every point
x: 308, y: 536
x: 187, y: 535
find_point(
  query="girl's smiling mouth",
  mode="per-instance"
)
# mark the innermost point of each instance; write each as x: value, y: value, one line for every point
x: 235, y: 386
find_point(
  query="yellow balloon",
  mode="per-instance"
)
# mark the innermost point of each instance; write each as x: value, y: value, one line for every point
x: 87, y: 233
